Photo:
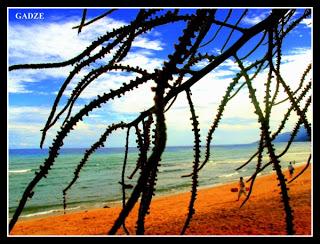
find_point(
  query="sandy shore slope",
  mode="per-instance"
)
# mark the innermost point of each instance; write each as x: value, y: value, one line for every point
x: 217, y: 213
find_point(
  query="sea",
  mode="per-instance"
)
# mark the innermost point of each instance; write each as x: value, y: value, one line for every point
x: 98, y: 184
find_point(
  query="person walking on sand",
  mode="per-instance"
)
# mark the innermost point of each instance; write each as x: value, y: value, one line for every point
x: 242, y: 188
x: 291, y: 169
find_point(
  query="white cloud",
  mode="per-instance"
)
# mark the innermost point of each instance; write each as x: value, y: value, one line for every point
x: 26, y: 114
x: 101, y: 85
x: 25, y: 124
x: 230, y: 65
x: 18, y: 79
x: 113, y: 80
x: 255, y: 18
x: 145, y: 43
x: 207, y: 93
x: 17, y: 87
x: 307, y: 23
x: 55, y: 42
x: 302, y: 54
x: 232, y: 127
x: 135, y: 101
x: 144, y: 59
x: 31, y: 129
x: 50, y: 43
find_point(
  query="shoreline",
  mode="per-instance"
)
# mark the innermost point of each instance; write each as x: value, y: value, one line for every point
x: 76, y: 222
x: 118, y: 203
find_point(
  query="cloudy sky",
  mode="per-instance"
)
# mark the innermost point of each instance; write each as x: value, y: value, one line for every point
x: 31, y: 92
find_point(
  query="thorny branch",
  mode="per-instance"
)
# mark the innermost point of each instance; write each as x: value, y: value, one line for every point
x: 178, y: 73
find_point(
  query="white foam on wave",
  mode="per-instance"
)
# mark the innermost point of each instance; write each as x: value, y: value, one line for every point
x: 48, y: 212
x: 229, y: 175
x: 19, y: 171
x: 297, y: 153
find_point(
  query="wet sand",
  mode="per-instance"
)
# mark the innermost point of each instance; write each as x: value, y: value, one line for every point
x: 217, y: 213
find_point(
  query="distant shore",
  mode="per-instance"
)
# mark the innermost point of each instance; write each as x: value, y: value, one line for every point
x: 217, y: 213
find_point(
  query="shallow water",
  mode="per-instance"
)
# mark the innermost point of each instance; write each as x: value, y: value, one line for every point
x: 98, y: 183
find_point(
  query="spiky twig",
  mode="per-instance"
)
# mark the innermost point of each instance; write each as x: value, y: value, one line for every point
x: 95, y: 19
x: 196, y: 161
x: 271, y: 151
x: 93, y: 148
x: 122, y: 37
x: 122, y: 176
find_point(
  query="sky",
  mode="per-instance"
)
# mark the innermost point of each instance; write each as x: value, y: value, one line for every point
x: 31, y: 93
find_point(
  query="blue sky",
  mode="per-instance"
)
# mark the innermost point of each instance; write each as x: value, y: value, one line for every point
x: 31, y: 92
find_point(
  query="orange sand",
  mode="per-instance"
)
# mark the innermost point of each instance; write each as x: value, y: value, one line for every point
x: 217, y: 213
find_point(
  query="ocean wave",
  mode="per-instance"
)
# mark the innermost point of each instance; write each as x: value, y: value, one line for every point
x: 297, y: 153
x: 229, y: 175
x: 299, y: 163
x: 170, y: 170
x: 20, y: 171
x: 230, y: 161
x: 48, y: 212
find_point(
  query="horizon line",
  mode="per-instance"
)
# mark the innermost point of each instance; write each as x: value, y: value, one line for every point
x: 114, y: 147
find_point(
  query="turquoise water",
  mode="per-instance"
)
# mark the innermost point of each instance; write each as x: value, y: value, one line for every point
x: 98, y: 183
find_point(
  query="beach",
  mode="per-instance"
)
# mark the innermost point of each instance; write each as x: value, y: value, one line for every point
x: 216, y: 213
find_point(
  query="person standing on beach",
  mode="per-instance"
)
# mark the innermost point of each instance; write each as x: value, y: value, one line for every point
x: 242, y: 188
x: 291, y: 169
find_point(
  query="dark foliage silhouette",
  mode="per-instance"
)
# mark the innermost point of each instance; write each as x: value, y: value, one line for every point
x: 177, y: 75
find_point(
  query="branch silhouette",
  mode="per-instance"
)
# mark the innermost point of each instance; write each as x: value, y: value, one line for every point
x: 187, y: 63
